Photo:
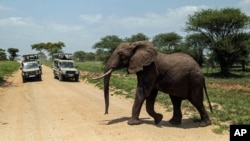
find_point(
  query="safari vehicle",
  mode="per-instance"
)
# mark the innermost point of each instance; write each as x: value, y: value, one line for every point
x: 31, y: 70
x: 32, y: 57
x: 64, y: 67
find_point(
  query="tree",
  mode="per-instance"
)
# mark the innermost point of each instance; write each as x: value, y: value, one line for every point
x: 90, y: 56
x: 51, y: 48
x: 101, y: 55
x: 2, y: 54
x: 137, y: 37
x: 79, y: 55
x: 197, y: 43
x: 13, y: 53
x: 166, y: 42
x: 39, y: 47
x: 242, y: 42
x: 221, y: 27
x: 107, y: 45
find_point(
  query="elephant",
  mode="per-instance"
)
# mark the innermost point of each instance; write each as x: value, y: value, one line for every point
x: 176, y: 74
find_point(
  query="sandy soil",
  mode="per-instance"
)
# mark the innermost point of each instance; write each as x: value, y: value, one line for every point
x: 51, y: 110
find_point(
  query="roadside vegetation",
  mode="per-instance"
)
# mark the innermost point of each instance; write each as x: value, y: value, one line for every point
x: 217, y: 38
x: 6, y: 68
x: 229, y: 96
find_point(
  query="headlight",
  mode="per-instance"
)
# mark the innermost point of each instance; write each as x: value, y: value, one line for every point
x: 63, y: 72
x: 38, y: 72
x: 77, y: 72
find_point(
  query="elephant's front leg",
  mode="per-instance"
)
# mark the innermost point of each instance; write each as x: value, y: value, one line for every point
x: 139, y: 99
x: 177, y: 115
x: 150, y: 102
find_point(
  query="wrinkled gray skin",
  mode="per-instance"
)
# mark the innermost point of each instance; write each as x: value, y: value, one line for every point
x: 176, y: 74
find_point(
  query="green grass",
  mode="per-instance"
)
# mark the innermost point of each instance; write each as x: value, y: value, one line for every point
x: 229, y: 96
x: 90, y: 66
x: 6, y: 68
x: 48, y: 63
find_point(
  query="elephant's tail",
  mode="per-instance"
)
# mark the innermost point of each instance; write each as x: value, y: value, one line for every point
x: 210, y: 106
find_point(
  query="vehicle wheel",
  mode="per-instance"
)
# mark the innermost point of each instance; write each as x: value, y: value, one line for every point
x: 24, y: 80
x: 77, y: 79
x: 40, y: 78
x: 60, y: 77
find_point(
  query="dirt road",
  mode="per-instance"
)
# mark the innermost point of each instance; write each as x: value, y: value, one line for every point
x: 50, y: 110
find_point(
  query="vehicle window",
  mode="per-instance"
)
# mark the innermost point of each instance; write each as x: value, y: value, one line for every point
x: 30, y: 65
x: 67, y: 64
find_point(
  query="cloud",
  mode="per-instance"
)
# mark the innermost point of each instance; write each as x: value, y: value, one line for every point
x: 17, y: 21
x: 82, y: 36
x: 64, y: 28
x: 4, y: 8
x: 173, y: 20
x: 244, y: 2
x: 244, y: 5
x: 91, y: 18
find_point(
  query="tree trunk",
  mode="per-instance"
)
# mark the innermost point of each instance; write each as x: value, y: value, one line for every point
x: 223, y: 65
x: 243, y: 65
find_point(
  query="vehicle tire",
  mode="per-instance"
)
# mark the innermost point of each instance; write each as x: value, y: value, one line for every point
x: 40, y: 78
x: 55, y: 76
x: 24, y: 80
x: 77, y: 78
x: 60, y: 78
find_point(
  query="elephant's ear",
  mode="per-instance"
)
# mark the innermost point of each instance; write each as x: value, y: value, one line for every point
x: 144, y: 55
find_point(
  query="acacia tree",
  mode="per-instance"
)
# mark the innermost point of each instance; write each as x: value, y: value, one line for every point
x: 54, y: 47
x: 166, y: 42
x: 13, y: 53
x: 39, y: 47
x: 51, y: 48
x: 242, y: 42
x: 137, y: 37
x: 106, y: 46
x: 2, y: 54
x: 221, y: 27
x: 196, y: 44
x: 79, y: 55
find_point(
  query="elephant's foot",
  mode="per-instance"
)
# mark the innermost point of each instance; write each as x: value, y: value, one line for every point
x: 205, y: 123
x: 158, y: 118
x: 133, y: 121
x: 175, y: 121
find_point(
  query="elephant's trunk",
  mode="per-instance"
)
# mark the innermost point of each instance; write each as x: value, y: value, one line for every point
x: 106, y: 92
x: 106, y: 77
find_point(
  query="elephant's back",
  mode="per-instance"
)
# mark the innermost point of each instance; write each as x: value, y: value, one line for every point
x: 177, y: 62
x: 177, y: 72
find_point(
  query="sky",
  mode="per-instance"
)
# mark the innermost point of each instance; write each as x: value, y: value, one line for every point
x: 82, y: 23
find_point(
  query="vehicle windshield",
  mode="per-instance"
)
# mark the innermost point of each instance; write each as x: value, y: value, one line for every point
x: 30, y: 65
x: 67, y: 64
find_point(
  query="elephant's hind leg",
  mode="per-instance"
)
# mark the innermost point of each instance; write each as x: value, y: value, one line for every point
x: 150, y: 102
x: 197, y: 101
x: 177, y: 115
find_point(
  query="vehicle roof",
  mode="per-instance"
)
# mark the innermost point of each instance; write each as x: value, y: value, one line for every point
x: 30, y: 55
x: 29, y: 62
x: 62, y: 56
x: 64, y: 60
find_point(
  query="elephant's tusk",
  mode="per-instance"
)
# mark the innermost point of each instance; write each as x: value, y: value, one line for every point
x: 107, y: 73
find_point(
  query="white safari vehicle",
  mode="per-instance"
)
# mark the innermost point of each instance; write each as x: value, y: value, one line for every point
x: 31, y: 67
x: 64, y: 67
